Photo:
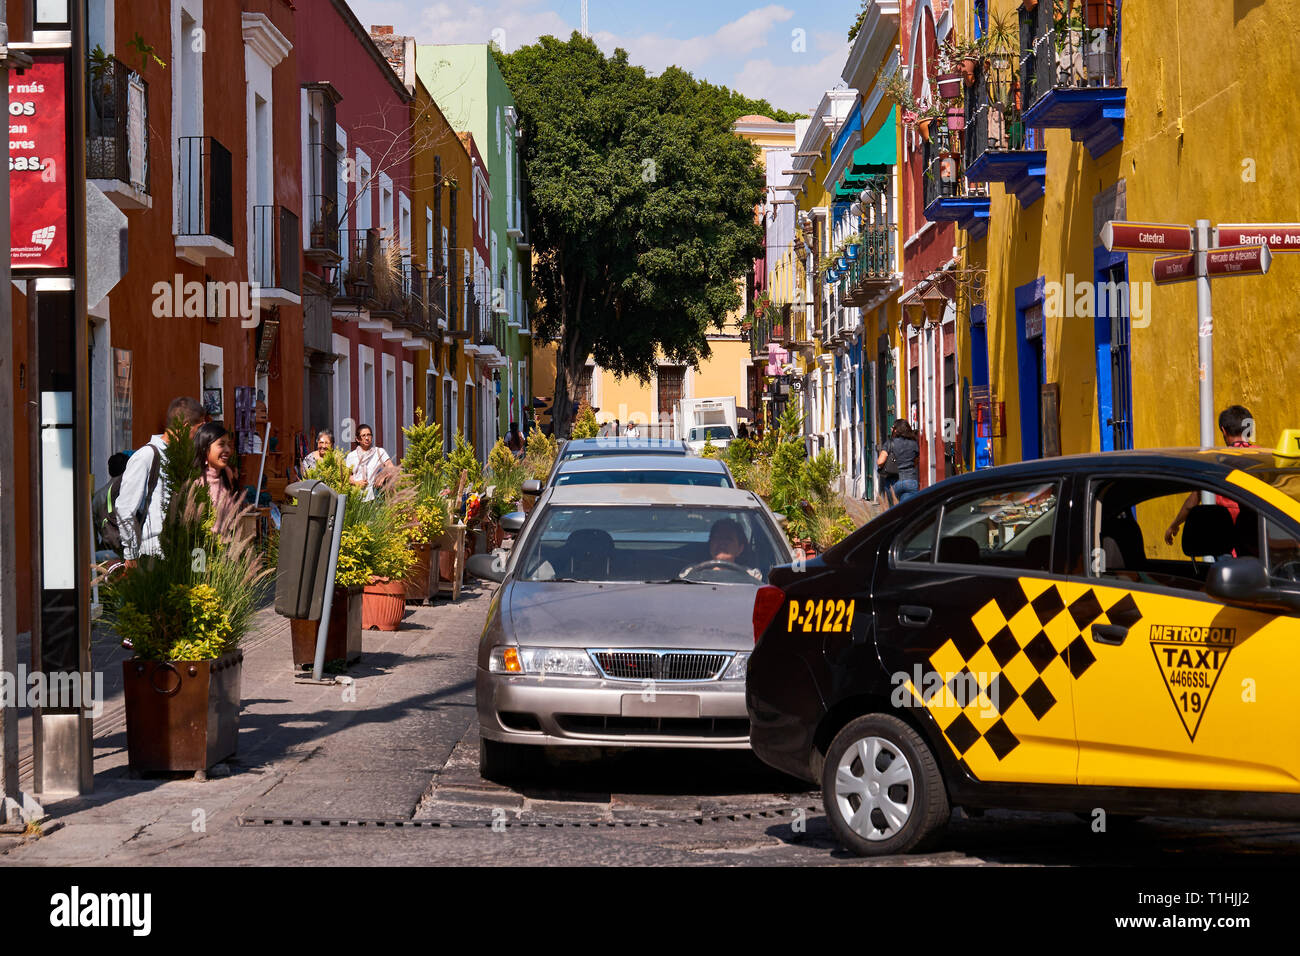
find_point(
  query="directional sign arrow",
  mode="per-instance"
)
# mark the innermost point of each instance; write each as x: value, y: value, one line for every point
x: 1146, y: 237
x: 1238, y: 261
x: 1279, y: 236
x: 1169, y: 269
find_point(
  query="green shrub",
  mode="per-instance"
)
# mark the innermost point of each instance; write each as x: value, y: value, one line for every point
x: 585, y: 425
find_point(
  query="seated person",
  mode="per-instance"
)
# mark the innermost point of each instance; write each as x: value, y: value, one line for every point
x: 727, y: 540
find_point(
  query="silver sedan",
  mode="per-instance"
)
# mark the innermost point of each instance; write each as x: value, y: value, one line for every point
x: 624, y: 619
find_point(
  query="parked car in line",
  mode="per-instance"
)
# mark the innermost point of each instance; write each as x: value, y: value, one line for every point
x: 624, y: 620
x: 584, y: 448
x: 1040, y: 637
x: 644, y: 470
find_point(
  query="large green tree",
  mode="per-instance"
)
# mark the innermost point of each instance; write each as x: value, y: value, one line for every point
x: 641, y: 202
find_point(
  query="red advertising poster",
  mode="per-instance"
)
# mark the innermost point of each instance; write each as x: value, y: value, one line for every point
x: 38, y: 184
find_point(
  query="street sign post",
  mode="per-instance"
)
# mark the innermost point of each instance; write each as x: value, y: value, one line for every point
x: 1278, y: 236
x: 1238, y: 261
x: 1170, y: 269
x: 1146, y: 237
x: 1202, y: 257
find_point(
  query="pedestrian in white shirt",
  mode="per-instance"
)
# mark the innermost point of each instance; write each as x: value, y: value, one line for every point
x: 367, y: 461
x: 142, y: 540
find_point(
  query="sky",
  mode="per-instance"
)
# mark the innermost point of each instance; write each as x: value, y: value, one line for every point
x: 786, y: 53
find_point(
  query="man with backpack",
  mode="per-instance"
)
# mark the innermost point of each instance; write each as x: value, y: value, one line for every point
x: 139, y: 506
x: 103, y: 506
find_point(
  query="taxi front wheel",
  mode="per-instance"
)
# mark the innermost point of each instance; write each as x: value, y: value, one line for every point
x: 882, y: 787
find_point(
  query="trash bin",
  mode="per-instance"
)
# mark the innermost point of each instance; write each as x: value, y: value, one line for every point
x: 306, y: 536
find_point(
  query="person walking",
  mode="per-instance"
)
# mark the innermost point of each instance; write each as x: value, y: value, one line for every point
x: 888, y: 472
x: 141, y: 494
x: 324, y: 445
x: 367, y: 461
x: 906, y: 452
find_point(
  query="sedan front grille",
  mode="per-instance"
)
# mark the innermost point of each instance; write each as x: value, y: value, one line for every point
x: 661, y: 665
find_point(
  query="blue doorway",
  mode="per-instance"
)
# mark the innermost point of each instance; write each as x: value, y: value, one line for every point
x: 1031, y: 365
x: 1112, y: 326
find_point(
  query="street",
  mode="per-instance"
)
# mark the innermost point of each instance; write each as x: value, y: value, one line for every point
x: 391, y: 777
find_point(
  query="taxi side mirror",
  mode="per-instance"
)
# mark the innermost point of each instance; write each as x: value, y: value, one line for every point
x: 1244, y: 582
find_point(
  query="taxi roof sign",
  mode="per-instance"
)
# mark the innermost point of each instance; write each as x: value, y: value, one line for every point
x: 1288, y: 445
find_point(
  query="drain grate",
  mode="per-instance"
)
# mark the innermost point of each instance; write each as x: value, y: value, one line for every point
x: 501, y: 819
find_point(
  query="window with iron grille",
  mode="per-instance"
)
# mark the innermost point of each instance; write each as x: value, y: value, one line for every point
x: 584, y: 384
x: 672, y: 382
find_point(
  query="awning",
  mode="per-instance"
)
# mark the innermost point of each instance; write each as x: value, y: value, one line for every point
x: 878, y: 153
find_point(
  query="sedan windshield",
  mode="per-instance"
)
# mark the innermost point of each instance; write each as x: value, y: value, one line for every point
x: 704, y: 479
x: 650, y: 543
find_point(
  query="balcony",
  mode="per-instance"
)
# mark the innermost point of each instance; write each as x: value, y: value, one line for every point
x: 1070, y: 77
x: 276, y: 265
x: 871, y: 271
x: 515, y: 226
x: 356, y: 280
x: 948, y: 197
x: 999, y: 148
x: 117, y: 133
x: 323, y: 213
x: 205, y: 201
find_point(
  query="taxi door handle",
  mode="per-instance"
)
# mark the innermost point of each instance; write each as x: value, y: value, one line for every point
x: 1109, y: 634
x: 913, y: 615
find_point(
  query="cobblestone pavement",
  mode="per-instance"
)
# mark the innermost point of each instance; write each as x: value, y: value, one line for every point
x: 385, y: 770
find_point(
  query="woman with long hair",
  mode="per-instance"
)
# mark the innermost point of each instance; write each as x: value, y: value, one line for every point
x: 213, y: 448
x: 905, y: 450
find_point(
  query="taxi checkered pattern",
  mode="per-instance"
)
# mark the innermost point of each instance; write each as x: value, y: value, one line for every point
x: 1021, y: 650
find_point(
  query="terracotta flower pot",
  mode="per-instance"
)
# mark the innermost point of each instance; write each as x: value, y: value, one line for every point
x: 181, y: 715
x: 923, y: 127
x: 383, y: 604
x: 421, y: 582
x: 1099, y: 13
x: 968, y: 66
x: 1029, y: 6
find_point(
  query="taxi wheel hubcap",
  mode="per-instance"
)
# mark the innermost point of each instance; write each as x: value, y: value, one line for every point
x: 874, y: 788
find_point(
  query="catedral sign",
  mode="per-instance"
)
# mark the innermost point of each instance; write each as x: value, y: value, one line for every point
x: 1146, y: 237
x: 38, y: 173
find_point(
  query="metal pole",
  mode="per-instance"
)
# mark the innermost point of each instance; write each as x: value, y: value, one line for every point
x: 322, y: 630
x: 1205, y: 334
x: 8, y: 552
x: 261, y: 469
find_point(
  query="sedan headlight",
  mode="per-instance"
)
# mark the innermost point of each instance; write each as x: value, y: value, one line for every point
x: 739, y: 666
x: 560, y: 661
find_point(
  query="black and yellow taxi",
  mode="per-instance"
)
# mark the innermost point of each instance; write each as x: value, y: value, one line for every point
x: 1117, y: 631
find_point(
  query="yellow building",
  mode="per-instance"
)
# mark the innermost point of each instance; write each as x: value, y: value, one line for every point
x: 727, y: 372
x: 445, y: 167
x: 1154, y: 122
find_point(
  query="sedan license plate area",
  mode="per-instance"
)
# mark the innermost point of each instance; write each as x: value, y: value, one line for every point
x: 661, y: 705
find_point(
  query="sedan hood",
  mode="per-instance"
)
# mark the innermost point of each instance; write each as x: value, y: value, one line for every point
x: 620, y: 614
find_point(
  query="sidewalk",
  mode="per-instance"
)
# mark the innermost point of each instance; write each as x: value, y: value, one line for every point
x: 305, y: 749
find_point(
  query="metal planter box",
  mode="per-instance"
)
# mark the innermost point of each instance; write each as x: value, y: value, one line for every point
x: 342, y: 640
x: 181, y: 715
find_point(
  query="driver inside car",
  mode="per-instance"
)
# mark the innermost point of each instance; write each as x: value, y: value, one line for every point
x: 726, y: 541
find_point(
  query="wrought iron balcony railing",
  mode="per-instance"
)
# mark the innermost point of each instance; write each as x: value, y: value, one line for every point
x: 1069, y: 76
x: 323, y: 208
x: 117, y: 125
x: 205, y: 193
x: 276, y: 260
x: 356, y: 276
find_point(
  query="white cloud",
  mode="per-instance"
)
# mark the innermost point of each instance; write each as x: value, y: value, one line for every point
x: 656, y: 51
x: 796, y: 83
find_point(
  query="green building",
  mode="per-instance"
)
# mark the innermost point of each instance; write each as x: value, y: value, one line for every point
x: 468, y: 87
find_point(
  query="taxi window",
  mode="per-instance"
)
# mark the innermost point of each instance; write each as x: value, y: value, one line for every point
x: 1283, y: 553
x: 917, y: 542
x: 1166, y: 532
x: 1006, y: 527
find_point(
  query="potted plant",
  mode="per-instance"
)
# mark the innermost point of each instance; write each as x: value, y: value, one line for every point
x: 1029, y: 6
x: 506, y: 472
x: 343, y: 631
x: 1100, y: 14
x: 381, y: 538
x: 185, y: 611
x: 422, y: 470
x: 1067, y: 36
x: 949, y: 85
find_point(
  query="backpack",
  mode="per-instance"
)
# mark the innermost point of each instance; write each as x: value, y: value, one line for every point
x: 107, y: 518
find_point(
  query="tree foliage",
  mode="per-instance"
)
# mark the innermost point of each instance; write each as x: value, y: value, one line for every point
x: 642, y: 203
